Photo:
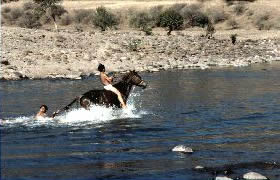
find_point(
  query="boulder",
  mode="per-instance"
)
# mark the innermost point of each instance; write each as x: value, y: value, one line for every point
x: 254, y: 175
x: 183, y: 149
x: 222, y: 178
x: 199, y: 167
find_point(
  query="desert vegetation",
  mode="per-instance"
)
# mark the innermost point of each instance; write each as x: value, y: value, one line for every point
x: 223, y: 14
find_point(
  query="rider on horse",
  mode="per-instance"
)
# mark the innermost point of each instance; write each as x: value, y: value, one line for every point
x: 107, y: 82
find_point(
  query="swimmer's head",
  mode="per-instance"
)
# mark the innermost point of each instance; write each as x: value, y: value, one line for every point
x: 44, y: 108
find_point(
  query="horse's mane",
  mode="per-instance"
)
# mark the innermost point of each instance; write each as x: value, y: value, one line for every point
x: 124, y: 77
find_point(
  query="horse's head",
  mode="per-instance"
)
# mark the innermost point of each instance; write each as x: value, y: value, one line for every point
x: 133, y: 78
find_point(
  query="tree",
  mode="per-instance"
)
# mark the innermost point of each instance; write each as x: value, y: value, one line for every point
x: 104, y: 19
x: 50, y: 8
x: 171, y: 20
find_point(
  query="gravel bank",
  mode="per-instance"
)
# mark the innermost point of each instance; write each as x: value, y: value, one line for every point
x: 38, y: 54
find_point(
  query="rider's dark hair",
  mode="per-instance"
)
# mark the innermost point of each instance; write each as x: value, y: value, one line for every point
x: 45, y: 106
x: 101, y: 68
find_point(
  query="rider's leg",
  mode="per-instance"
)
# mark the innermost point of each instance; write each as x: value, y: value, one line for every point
x: 113, y: 89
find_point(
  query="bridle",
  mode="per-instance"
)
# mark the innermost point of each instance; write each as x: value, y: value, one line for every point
x: 128, y: 81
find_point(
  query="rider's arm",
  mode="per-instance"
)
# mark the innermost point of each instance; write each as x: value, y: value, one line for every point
x: 110, y: 79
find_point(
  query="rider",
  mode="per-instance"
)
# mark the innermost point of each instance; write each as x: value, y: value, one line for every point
x: 42, y: 113
x: 107, y: 82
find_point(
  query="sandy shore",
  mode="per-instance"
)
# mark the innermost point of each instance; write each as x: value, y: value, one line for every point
x: 37, y: 54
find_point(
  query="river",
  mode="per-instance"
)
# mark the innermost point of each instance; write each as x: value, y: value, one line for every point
x: 229, y: 117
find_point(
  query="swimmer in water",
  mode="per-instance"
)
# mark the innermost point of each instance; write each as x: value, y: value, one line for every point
x: 42, y: 113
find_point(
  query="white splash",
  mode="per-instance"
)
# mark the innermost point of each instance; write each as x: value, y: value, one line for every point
x: 80, y: 117
x: 98, y: 114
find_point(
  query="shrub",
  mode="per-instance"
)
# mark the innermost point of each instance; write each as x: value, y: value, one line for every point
x: 46, y: 4
x: 217, y: 15
x: 104, y: 19
x: 239, y: 9
x: 81, y: 15
x: 45, y: 19
x: 56, y: 11
x: 6, y: 10
x: 143, y: 21
x: 233, y: 38
x: 7, y: 1
x: 231, y: 2
x: 66, y: 20
x: 155, y: 13
x: 232, y: 24
x: 29, y: 6
x: 250, y: 13
x: 170, y: 19
x: 134, y: 45
x: 178, y: 7
x: 194, y: 16
x: 210, y: 30
x: 15, y: 13
x: 262, y: 22
x: 29, y: 20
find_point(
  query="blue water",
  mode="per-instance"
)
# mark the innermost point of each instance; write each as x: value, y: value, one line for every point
x: 227, y: 116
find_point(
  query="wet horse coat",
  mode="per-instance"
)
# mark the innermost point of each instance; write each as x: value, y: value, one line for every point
x: 108, y: 98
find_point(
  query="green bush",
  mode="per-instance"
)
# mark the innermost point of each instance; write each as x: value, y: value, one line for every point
x: 104, y: 19
x: 45, y: 4
x: 29, y: 20
x: 170, y: 19
x: 143, y: 21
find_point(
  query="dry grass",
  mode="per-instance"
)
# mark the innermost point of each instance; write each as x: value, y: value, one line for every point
x: 249, y: 19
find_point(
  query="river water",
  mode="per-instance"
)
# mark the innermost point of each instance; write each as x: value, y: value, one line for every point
x: 229, y: 117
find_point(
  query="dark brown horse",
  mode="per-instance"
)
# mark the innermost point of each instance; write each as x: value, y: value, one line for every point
x: 108, y: 98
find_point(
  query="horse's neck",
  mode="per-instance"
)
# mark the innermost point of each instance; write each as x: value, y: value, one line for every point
x: 124, y: 88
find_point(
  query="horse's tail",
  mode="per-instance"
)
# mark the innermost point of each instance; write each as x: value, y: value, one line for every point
x: 66, y: 107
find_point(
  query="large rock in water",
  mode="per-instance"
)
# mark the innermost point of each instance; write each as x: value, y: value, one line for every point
x: 223, y: 178
x: 183, y: 149
x: 254, y: 175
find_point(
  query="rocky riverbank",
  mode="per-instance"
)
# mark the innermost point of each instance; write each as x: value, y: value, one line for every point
x: 37, y: 54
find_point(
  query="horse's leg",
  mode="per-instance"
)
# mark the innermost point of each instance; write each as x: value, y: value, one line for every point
x: 85, y: 103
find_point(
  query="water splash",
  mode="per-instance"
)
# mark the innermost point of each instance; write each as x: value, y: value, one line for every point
x: 80, y: 117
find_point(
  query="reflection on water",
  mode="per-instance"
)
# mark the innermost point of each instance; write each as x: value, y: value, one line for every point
x: 230, y: 117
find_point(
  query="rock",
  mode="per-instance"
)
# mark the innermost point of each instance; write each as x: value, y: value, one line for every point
x: 5, y: 62
x: 86, y: 56
x: 222, y: 178
x: 123, y: 59
x: 154, y: 70
x: 183, y: 149
x: 254, y: 175
x: 199, y: 167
